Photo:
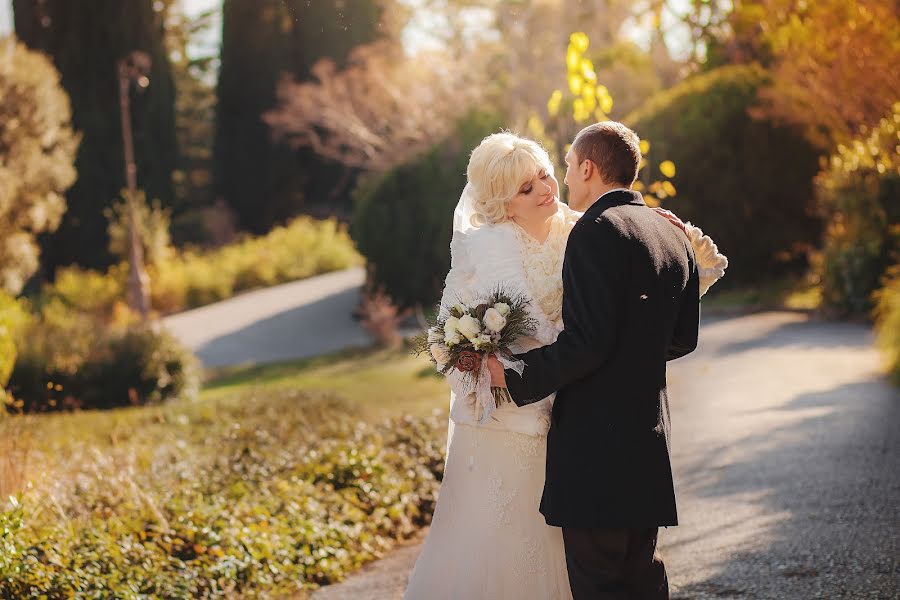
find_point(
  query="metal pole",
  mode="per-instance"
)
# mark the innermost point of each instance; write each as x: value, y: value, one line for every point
x: 138, y: 280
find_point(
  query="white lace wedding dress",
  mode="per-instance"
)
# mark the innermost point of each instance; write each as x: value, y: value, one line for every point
x: 487, y: 538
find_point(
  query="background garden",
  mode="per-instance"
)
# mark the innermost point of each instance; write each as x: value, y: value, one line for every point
x: 158, y: 156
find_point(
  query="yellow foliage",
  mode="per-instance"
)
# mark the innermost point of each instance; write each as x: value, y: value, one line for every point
x: 573, y: 57
x: 668, y: 188
x: 576, y: 83
x: 579, y: 41
x: 587, y: 71
x: 554, y: 103
x: 645, y: 147
x: 580, y: 112
x: 667, y: 168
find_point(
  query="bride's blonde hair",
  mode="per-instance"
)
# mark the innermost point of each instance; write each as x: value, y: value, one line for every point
x: 497, y: 168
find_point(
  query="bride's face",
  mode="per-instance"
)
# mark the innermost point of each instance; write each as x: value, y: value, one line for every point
x: 536, y: 199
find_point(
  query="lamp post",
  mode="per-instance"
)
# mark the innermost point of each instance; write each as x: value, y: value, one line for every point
x: 133, y: 68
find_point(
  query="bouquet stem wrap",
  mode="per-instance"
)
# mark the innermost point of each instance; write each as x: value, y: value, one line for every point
x: 486, y: 401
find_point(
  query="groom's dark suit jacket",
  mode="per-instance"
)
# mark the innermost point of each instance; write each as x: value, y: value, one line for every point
x: 631, y: 302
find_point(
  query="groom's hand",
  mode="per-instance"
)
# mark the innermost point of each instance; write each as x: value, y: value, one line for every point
x: 672, y: 218
x: 498, y: 377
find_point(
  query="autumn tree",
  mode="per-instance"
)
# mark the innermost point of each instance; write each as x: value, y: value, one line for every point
x: 833, y: 61
x: 379, y: 111
x: 37, y: 150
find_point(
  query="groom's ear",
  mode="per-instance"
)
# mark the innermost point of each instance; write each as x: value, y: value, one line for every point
x: 588, y: 168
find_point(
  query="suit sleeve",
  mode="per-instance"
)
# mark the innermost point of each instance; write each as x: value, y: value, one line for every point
x: 684, y: 336
x: 591, y: 273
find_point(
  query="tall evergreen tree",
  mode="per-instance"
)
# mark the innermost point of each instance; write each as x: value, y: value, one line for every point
x: 85, y: 40
x: 263, y: 181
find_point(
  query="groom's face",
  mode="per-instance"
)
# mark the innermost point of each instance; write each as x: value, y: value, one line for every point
x: 578, y: 189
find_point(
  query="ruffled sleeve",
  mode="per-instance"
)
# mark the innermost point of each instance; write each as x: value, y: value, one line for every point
x: 710, y: 262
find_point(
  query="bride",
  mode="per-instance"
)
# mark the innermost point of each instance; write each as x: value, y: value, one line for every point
x: 487, y: 538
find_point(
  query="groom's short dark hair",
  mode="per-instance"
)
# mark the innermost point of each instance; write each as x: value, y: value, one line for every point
x: 615, y: 149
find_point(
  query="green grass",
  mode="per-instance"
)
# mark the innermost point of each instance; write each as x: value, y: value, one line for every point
x: 276, y: 479
x: 375, y: 383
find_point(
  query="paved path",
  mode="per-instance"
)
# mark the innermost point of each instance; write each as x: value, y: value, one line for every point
x: 787, y: 458
x: 295, y: 320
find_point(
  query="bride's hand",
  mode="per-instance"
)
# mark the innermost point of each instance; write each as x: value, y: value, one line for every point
x: 671, y: 217
x: 498, y: 377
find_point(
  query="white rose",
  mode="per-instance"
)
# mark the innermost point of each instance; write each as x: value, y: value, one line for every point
x: 440, y: 353
x: 469, y: 326
x: 458, y: 309
x: 452, y: 338
x: 451, y: 326
x: 502, y: 308
x: 482, y: 341
x: 493, y: 320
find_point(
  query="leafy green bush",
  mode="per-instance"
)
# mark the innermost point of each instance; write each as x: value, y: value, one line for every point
x: 73, y: 361
x: 250, y: 497
x: 746, y: 182
x: 403, y: 221
x: 303, y: 248
x: 187, y: 279
x: 136, y: 367
x: 887, y: 320
x: 88, y: 291
x: 858, y: 197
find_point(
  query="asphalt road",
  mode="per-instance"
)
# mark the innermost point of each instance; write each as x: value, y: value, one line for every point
x: 786, y: 448
x: 284, y: 322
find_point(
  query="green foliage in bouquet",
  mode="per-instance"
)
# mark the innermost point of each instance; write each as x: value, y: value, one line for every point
x: 461, y: 334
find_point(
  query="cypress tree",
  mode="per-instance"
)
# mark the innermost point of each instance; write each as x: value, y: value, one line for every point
x: 85, y: 39
x: 262, y: 40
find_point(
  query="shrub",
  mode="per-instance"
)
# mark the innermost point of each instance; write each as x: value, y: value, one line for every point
x: 887, y: 320
x: 74, y: 361
x: 138, y: 366
x: 153, y: 223
x: 88, y: 291
x: 303, y: 248
x: 858, y: 197
x: 747, y: 182
x: 402, y: 222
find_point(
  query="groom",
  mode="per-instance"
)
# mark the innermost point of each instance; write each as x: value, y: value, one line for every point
x: 631, y: 302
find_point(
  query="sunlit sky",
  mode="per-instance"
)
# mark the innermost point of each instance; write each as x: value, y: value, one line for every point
x: 417, y: 35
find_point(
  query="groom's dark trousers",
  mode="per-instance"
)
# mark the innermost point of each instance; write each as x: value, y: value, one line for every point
x: 630, y: 303
x: 620, y: 564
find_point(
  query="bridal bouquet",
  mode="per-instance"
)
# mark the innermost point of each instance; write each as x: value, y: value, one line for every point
x: 463, y: 335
